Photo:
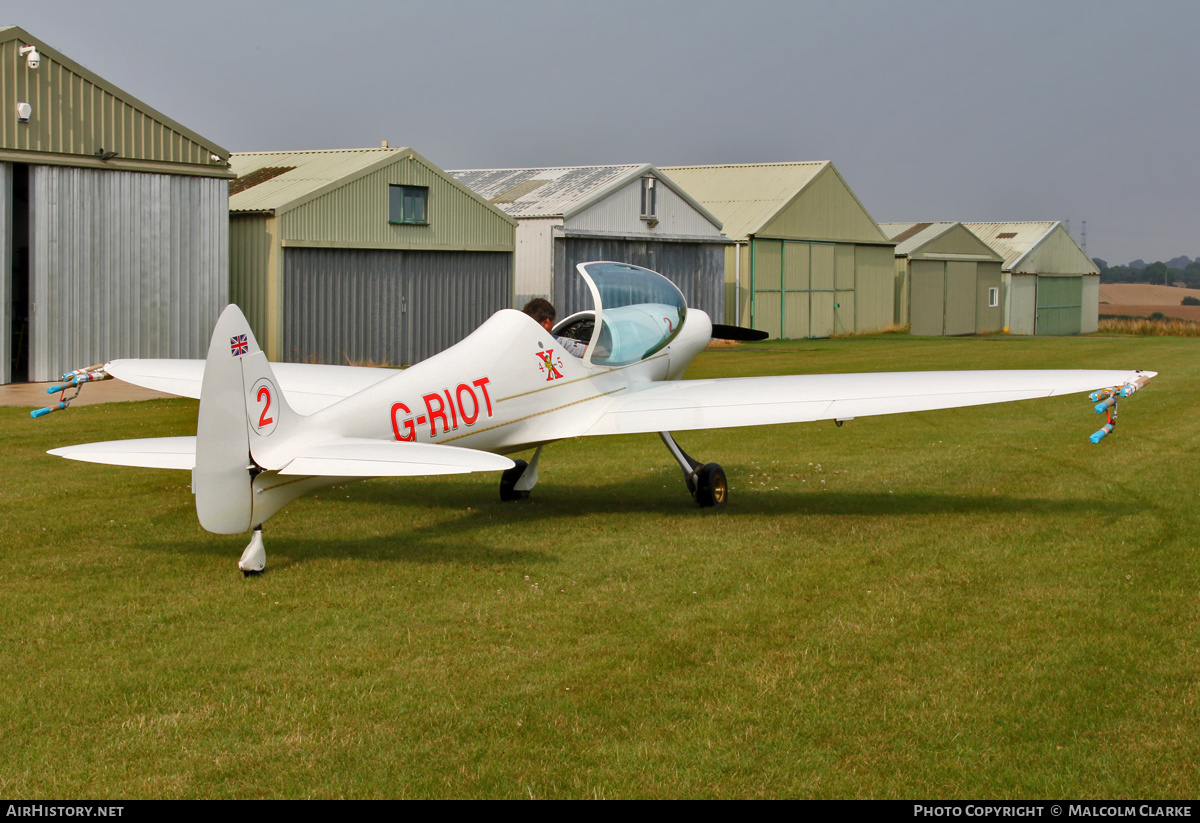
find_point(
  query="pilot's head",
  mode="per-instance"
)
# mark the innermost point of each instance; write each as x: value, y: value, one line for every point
x: 541, y: 310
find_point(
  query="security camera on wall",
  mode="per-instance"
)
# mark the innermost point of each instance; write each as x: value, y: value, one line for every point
x: 32, y: 58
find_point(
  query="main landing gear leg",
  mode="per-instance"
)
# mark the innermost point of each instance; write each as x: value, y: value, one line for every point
x: 517, y: 482
x: 705, y: 481
x: 254, y: 558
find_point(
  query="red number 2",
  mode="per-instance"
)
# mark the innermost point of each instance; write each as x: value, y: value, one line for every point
x: 263, y: 420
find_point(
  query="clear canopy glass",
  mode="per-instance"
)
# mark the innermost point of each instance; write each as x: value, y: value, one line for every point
x: 639, y: 312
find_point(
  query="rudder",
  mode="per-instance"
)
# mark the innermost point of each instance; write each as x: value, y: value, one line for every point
x: 241, y: 408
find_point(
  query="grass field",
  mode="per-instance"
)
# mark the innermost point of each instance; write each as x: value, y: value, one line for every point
x: 961, y: 604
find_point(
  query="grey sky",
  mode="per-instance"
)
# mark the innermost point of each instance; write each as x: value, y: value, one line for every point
x: 931, y: 110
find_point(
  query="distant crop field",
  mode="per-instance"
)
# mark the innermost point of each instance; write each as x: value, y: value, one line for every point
x: 973, y: 603
x: 1144, y: 299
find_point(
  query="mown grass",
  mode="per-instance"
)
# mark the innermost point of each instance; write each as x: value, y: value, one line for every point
x: 966, y: 603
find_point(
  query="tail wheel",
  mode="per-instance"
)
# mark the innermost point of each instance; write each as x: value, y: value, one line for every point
x: 711, y: 487
x: 508, y: 482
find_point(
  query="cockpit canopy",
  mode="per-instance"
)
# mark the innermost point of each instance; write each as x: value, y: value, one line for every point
x: 637, y: 313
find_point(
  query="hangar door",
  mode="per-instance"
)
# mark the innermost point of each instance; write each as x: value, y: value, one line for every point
x: 802, y: 289
x: 943, y: 298
x: 698, y: 269
x: 385, y: 307
x: 1059, y: 305
x: 927, y: 297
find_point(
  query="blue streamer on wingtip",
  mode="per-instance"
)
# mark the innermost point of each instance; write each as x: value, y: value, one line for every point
x: 43, y: 412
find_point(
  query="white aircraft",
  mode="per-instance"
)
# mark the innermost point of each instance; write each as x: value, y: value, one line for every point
x: 269, y: 433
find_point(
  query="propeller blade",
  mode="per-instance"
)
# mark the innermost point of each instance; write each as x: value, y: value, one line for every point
x: 722, y: 332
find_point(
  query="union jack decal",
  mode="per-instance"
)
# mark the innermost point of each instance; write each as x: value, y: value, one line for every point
x: 238, y: 345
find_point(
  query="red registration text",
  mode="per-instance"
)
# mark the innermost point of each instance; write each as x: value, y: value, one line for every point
x: 445, y: 410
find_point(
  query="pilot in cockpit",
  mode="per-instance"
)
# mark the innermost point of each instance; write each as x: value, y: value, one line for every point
x: 542, y: 310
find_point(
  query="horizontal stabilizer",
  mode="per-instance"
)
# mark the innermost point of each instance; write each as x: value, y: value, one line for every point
x: 350, y: 457
x: 149, y: 453
x: 342, y: 458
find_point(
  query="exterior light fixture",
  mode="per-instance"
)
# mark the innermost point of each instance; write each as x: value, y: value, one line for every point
x: 24, y: 112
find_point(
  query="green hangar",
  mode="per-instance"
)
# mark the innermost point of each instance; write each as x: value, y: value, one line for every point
x: 1051, y: 286
x: 807, y: 260
x: 948, y: 281
x: 365, y: 256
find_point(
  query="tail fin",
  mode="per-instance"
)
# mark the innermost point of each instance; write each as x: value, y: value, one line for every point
x: 241, y: 412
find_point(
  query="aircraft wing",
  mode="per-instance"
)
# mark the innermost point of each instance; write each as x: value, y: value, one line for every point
x: 758, y: 401
x: 309, y: 387
x: 340, y: 458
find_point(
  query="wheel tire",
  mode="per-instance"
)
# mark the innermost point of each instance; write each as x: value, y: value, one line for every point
x: 711, y: 488
x: 508, y: 482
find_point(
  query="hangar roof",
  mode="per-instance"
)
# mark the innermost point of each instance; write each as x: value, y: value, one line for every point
x: 288, y: 178
x: 945, y: 239
x: 561, y: 191
x: 756, y: 198
x: 1020, y: 242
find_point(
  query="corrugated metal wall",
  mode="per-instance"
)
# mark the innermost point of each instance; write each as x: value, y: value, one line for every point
x: 737, y: 294
x: 874, y: 293
x: 534, y: 275
x: 988, y: 319
x: 356, y: 214
x: 698, y: 269
x: 123, y: 264
x: 827, y: 210
x: 73, y: 114
x: 250, y: 246
x: 900, y: 291
x: 6, y: 271
x: 385, y: 307
x: 1022, y: 303
x: 1057, y: 254
x: 1090, y: 314
x: 621, y: 213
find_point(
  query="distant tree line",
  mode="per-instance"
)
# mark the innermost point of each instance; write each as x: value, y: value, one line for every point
x: 1177, y: 271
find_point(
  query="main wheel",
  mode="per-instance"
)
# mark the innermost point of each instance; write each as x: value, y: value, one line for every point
x: 711, y: 488
x: 508, y: 482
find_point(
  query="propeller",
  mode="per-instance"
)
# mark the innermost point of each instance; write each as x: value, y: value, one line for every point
x: 722, y: 332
